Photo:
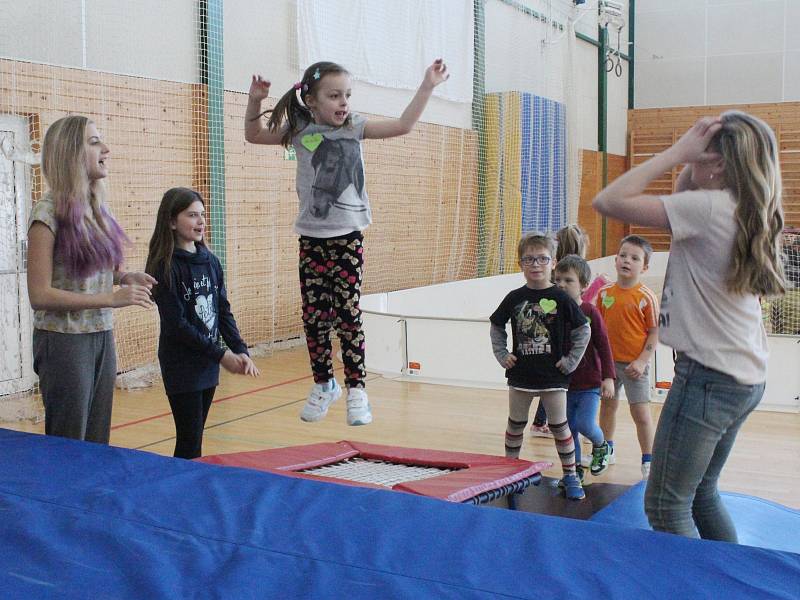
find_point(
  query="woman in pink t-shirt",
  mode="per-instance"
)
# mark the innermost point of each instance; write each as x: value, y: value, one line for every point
x: 726, y: 220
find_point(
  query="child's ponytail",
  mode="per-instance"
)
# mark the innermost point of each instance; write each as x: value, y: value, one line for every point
x: 292, y: 108
x: 289, y: 109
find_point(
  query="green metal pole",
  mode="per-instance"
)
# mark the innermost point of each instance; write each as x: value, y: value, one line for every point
x: 212, y: 75
x: 585, y: 38
x: 631, y: 51
x: 479, y: 125
x: 602, y: 117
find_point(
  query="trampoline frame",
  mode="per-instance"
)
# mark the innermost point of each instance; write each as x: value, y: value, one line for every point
x: 478, y: 478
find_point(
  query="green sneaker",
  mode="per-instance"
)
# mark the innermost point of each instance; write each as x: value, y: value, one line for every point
x: 579, y: 471
x: 600, y: 457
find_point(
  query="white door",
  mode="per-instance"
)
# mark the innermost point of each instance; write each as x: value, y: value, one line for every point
x: 16, y: 361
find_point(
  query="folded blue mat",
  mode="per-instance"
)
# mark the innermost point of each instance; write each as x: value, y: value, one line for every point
x: 81, y: 520
x: 759, y: 522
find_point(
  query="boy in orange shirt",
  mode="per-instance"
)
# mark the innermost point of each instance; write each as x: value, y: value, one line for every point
x: 630, y: 311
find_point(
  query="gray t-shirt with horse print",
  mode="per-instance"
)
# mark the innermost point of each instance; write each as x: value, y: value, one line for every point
x: 330, y: 180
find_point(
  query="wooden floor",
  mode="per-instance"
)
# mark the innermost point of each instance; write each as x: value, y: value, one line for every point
x: 253, y: 414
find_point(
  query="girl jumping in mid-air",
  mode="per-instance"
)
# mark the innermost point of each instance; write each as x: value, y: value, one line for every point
x: 195, y: 312
x: 314, y: 117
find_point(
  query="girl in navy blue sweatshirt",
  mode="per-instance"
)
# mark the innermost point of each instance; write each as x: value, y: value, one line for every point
x: 194, y: 312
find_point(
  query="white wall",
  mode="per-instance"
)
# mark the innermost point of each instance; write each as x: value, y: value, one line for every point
x: 148, y: 38
x: 517, y: 59
x: 260, y: 37
x: 698, y: 52
x: 28, y: 24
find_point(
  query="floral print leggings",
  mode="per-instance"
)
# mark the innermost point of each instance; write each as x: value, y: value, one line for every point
x: 330, y: 285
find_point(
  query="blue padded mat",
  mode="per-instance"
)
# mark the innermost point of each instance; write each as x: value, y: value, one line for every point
x: 759, y: 522
x: 80, y: 520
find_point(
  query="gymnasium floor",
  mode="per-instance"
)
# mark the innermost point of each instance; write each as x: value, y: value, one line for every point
x: 252, y: 414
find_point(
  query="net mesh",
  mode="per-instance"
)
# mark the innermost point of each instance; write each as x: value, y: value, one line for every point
x: 377, y: 472
x: 782, y: 315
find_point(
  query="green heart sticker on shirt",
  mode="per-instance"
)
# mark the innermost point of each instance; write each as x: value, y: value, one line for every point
x: 548, y: 305
x: 311, y: 141
x: 608, y: 301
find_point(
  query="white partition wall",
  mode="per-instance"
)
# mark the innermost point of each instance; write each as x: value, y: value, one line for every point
x: 440, y: 334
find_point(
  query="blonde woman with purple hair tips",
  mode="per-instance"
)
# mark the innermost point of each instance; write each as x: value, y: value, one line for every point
x: 75, y: 250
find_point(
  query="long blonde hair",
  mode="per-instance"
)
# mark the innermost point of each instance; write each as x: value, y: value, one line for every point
x: 571, y: 239
x: 753, y: 177
x: 86, y: 247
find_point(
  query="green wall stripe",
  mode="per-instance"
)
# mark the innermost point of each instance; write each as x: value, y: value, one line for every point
x: 213, y: 76
x: 479, y: 125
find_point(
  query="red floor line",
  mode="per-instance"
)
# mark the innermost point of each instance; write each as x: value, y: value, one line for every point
x: 168, y: 414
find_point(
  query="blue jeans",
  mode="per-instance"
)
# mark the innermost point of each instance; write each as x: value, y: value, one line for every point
x: 699, y: 422
x: 582, y: 407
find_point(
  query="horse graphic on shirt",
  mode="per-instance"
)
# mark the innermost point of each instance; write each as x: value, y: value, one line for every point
x: 337, y: 166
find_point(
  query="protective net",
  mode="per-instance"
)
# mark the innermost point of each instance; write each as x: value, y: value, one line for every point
x: 496, y: 153
x: 782, y: 315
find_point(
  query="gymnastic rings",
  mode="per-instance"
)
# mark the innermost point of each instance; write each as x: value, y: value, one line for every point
x: 614, y: 65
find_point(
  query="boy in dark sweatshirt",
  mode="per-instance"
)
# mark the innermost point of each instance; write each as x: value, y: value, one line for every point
x: 594, y: 375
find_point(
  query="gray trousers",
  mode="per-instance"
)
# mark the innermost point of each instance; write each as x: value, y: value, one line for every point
x: 76, y: 372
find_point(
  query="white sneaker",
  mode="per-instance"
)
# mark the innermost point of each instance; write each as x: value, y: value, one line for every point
x: 645, y: 470
x: 358, y: 412
x: 319, y: 399
x: 541, y: 431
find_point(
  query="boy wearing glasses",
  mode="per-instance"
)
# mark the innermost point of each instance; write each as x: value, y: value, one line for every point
x: 549, y: 336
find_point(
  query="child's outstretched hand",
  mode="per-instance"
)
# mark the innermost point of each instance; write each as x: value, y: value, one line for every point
x: 436, y: 73
x: 259, y: 88
x: 248, y: 366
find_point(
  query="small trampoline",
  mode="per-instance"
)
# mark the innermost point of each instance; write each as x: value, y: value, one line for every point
x: 451, y: 476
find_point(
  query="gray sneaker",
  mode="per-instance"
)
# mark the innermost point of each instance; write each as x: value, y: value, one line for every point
x: 319, y: 400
